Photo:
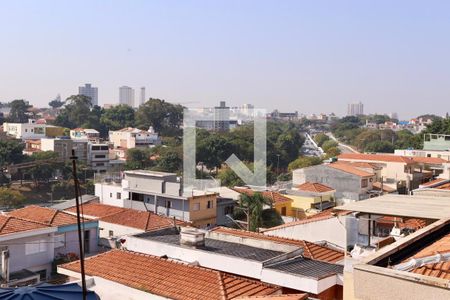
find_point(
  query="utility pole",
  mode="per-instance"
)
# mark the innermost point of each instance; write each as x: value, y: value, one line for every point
x: 80, y: 240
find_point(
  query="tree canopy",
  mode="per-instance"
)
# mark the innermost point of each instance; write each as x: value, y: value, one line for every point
x: 19, y: 111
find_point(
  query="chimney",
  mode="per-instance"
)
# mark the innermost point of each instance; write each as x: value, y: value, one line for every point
x: 192, y: 237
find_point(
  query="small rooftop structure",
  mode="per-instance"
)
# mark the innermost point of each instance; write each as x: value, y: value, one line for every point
x: 44, y: 291
x: 425, y: 207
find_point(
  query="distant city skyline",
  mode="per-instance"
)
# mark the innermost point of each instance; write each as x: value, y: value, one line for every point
x: 309, y: 57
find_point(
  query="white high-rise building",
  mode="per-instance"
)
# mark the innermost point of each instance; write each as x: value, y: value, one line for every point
x: 126, y: 96
x: 89, y: 91
x: 355, y: 109
x: 142, y: 95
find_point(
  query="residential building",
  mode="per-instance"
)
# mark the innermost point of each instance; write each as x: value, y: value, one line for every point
x: 310, y: 198
x: 400, y: 172
x: 276, y: 115
x: 66, y: 235
x: 98, y: 157
x: 355, y: 109
x: 281, y: 203
x: 115, y: 222
x: 222, y: 117
x: 350, y: 182
x: 142, y: 99
x: 443, y: 154
x: 126, y: 96
x: 328, y: 226
x: 291, y: 264
x: 32, y: 130
x: 91, y: 135
x: 89, y: 91
x: 27, y: 251
x: 32, y: 146
x: 153, y: 277
x: 414, y: 266
x: 128, y: 138
x: 62, y: 146
x: 437, y: 142
x: 159, y: 192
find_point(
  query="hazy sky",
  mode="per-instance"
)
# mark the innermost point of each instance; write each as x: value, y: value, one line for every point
x: 310, y: 56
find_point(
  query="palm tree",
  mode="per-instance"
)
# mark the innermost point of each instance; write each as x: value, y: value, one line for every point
x: 253, y: 206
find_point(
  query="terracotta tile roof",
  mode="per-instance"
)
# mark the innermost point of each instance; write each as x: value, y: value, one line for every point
x: 324, y: 215
x: 277, y: 297
x: 348, y: 168
x: 97, y: 210
x: 433, y: 182
x: 314, y: 187
x: 440, y: 269
x: 445, y: 186
x: 377, y: 186
x: 9, y: 224
x: 428, y: 160
x: 376, y: 157
x: 143, y: 220
x: 273, y: 196
x: 412, y: 223
x: 310, y: 250
x: 168, y: 278
x: 48, y: 216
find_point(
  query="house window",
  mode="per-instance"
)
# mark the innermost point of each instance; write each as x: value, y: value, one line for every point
x: 119, y: 196
x: 168, y: 204
x: 210, y: 204
x: 34, y: 247
x: 364, y: 183
x: 196, y: 206
x: 111, y: 233
x: 283, y: 211
x: 110, y: 195
x: 60, y: 240
x: 228, y: 210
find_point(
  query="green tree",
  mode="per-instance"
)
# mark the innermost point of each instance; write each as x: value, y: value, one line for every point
x: 19, y: 111
x: 76, y: 112
x: 118, y: 117
x: 213, y: 151
x: 254, y: 206
x: 138, y: 159
x: 380, y: 146
x: 164, y: 117
x: 229, y: 178
x: 10, y: 198
x: 304, y: 161
x: 11, y: 152
x: 43, y: 172
x: 333, y: 152
x: 321, y: 138
x: 170, y: 161
x: 329, y: 144
x: 56, y: 103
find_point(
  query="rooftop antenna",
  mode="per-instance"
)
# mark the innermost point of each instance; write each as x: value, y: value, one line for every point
x: 80, y: 241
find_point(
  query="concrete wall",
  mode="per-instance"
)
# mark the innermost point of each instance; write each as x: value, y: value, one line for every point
x: 107, y: 194
x: 331, y: 230
x: 380, y: 284
x: 18, y: 260
x: 71, y: 245
x: 346, y: 185
x: 117, y: 230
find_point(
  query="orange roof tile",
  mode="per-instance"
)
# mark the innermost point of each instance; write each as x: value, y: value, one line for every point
x: 433, y: 182
x: 440, y: 270
x: 168, y: 278
x: 143, y: 220
x: 428, y: 160
x: 273, y: 196
x: 314, y: 187
x: 376, y: 157
x: 310, y: 250
x: 277, y: 297
x: 97, y: 210
x: 413, y: 223
x: 377, y: 186
x: 9, y: 224
x: 350, y: 169
x: 48, y: 216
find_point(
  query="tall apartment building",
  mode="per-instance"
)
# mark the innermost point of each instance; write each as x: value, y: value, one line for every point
x: 142, y: 100
x: 355, y: 109
x: 222, y: 117
x: 126, y: 96
x: 89, y: 91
